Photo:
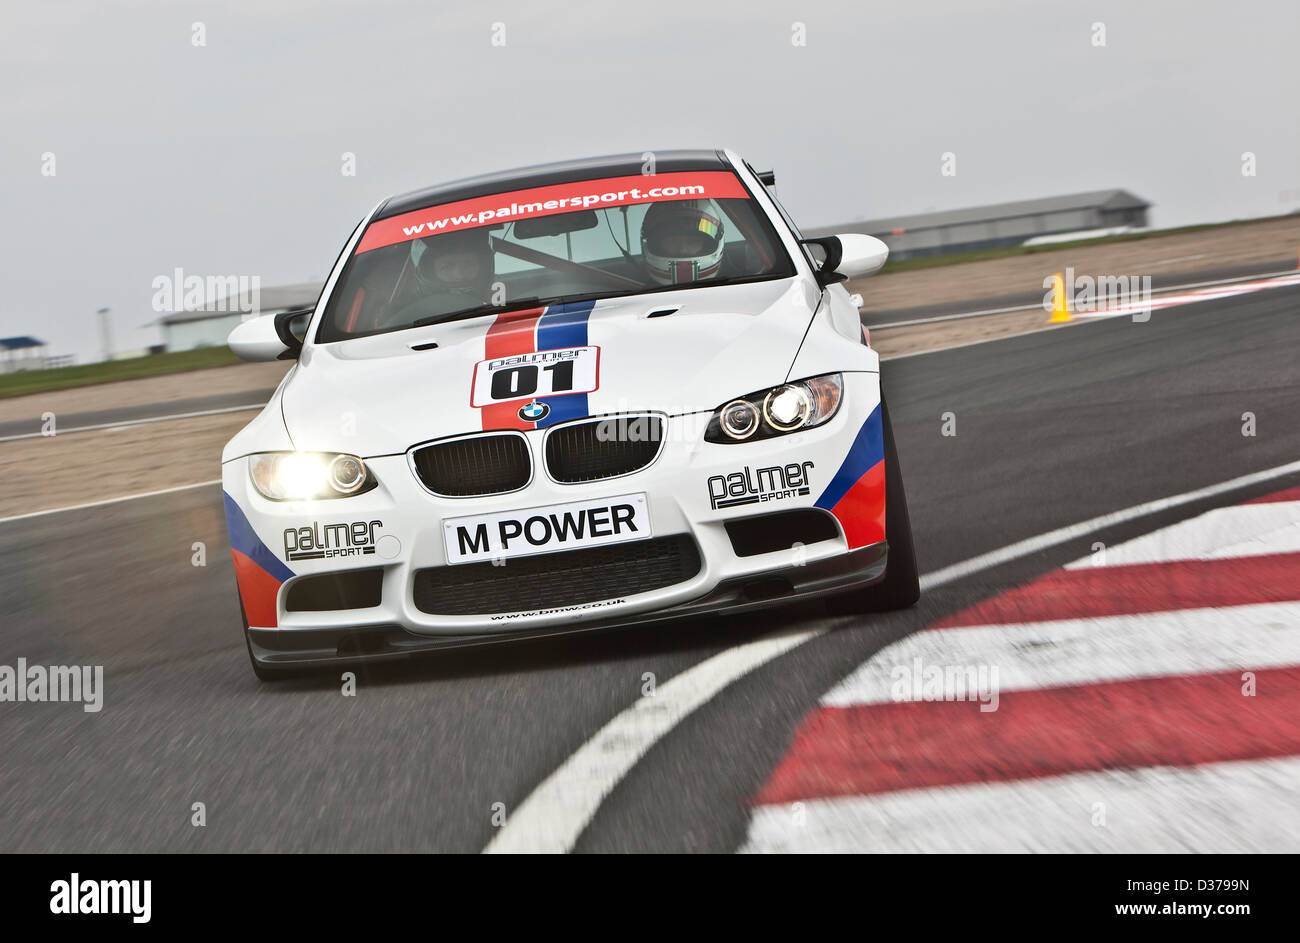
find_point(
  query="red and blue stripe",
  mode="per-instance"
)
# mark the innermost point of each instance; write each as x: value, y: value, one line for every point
x: 526, y: 332
x: 856, y: 493
x: 259, y: 572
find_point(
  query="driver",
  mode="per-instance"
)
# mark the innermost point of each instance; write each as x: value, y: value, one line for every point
x: 682, y: 241
x: 454, y: 268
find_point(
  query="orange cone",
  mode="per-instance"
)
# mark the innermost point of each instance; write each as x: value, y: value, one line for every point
x: 1060, y: 309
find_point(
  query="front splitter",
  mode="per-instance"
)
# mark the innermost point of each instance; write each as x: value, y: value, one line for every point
x: 385, y: 641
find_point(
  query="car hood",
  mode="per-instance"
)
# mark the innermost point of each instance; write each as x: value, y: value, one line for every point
x: 382, y: 394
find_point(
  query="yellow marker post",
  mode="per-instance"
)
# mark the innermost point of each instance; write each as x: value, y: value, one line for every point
x: 1060, y: 310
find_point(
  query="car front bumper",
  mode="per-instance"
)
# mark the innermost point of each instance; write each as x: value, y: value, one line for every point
x: 399, y: 534
x: 383, y: 642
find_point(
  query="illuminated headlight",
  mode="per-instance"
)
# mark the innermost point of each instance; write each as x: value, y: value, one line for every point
x: 788, y: 408
x: 782, y: 409
x: 308, y: 476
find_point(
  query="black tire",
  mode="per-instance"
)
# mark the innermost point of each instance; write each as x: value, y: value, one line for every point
x: 901, y: 587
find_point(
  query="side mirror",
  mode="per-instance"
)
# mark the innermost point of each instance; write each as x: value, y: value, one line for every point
x: 271, y: 337
x: 849, y: 255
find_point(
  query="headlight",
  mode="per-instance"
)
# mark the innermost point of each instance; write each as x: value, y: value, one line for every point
x: 738, y: 419
x: 307, y: 476
x: 786, y: 408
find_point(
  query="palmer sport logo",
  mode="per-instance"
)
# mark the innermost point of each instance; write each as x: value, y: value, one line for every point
x: 747, y: 486
x: 326, y: 541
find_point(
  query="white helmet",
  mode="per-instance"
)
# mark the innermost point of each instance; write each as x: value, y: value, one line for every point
x: 682, y: 241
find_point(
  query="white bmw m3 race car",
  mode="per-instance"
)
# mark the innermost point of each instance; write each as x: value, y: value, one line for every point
x: 568, y: 397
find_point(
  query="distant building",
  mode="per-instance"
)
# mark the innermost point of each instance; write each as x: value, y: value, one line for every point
x: 21, y: 353
x: 1002, y: 224
x: 210, y: 325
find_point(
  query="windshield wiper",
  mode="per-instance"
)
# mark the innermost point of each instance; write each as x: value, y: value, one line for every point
x: 516, y: 305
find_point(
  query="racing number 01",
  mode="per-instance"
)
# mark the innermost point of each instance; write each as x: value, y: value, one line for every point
x: 515, y: 382
x: 541, y: 373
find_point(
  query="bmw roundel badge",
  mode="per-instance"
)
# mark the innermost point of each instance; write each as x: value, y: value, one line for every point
x: 532, y: 412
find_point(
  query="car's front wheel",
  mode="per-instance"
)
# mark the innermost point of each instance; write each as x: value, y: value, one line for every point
x: 901, y: 586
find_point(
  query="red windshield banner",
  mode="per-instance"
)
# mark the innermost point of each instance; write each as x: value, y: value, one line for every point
x: 548, y: 201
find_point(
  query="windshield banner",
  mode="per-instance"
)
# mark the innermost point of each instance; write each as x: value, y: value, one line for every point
x: 549, y: 201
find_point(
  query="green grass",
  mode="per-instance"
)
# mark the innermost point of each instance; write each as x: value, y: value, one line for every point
x: 62, y: 378
x: 979, y: 255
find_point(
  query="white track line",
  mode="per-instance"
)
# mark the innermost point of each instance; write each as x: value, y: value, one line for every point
x: 106, y: 501
x: 129, y: 423
x: 1159, y: 302
x: 939, y: 319
x: 1024, y: 548
x: 553, y: 816
x: 1244, y: 530
x: 551, y: 819
x: 1067, y: 652
x: 1245, y: 806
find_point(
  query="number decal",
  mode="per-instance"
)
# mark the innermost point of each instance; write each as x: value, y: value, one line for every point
x: 514, y: 382
x: 562, y: 376
x: 530, y: 376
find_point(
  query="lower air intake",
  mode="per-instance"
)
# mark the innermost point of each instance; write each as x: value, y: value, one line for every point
x: 350, y: 589
x: 551, y: 580
x: 783, y: 530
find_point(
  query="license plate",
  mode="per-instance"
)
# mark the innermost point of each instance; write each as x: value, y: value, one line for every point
x: 546, y: 529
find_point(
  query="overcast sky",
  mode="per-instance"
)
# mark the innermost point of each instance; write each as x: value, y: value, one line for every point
x: 226, y: 158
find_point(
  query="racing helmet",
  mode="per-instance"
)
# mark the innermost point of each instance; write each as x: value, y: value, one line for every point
x: 682, y: 241
x: 454, y: 263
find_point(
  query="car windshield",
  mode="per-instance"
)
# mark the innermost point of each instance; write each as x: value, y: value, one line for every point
x: 566, y: 242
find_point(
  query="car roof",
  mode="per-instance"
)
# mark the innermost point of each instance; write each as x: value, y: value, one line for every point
x: 541, y: 175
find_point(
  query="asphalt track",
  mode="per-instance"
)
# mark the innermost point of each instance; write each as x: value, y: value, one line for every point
x: 1052, y: 428
x: 126, y: 414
